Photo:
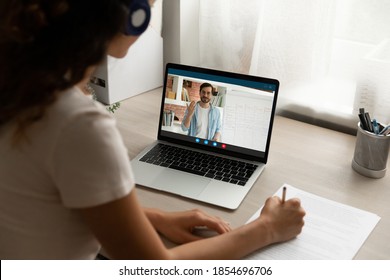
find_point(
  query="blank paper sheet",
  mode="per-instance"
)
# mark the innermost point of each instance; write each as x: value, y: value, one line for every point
x: 332, y: 231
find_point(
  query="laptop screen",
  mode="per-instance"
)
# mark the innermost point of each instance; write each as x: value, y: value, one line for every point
x: 217, y: 111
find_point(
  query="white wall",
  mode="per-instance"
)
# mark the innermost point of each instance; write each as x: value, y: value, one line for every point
x: 181, y: 31
x: 140, y: 70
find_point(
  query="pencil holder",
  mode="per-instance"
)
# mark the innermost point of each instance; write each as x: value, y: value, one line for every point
x: 371, y: 153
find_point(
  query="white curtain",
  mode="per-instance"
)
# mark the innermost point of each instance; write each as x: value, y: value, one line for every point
x: 331, y: 56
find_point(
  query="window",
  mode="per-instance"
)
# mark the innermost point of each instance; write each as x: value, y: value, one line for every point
x: 331, y: 56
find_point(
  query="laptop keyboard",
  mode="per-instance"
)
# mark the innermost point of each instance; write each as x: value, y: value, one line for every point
x: 211, y: 166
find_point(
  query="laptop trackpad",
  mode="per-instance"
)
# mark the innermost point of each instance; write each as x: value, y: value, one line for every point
x: 181, y: 183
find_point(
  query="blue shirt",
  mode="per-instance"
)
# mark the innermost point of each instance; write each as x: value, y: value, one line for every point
x: 214, y: 122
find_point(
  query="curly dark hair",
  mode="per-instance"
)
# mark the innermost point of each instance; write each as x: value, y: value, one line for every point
x: 46, y: 47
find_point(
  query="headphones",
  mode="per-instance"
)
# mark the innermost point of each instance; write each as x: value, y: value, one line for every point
x: 138, y: 18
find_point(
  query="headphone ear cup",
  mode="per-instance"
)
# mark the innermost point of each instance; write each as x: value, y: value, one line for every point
x: 139, y: 17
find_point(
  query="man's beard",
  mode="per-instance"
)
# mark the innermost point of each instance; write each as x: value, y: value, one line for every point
x: 205, y: 99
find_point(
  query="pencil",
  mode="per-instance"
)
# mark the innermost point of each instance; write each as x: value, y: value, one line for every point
x: 284, y: 194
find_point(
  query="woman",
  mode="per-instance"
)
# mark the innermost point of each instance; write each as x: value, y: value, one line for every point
x: 66, y: 185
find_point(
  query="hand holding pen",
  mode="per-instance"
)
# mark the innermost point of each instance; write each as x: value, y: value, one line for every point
x: 282, y: 218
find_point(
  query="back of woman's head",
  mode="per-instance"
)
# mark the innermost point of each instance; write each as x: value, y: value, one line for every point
x: 47, y: 45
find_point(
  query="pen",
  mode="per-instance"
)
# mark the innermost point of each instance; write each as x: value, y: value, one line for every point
x: 384, y: 130
x: 368, y: 122
x: 375, y: 126
x: 284, y: 194
x: 363, y: 122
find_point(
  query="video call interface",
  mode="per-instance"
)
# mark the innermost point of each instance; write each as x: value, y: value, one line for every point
x: 243, y: 118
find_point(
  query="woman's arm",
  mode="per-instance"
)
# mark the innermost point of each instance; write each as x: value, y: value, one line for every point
x: 178, y: 227
x: 123, y: 229
x: 125, y: 232
x: 277, y: 223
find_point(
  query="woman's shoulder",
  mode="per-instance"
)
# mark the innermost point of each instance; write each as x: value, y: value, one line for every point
x: 73, y: 102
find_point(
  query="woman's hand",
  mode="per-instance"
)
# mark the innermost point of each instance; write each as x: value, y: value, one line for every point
x: 283, y: 221
x: 178, y: 226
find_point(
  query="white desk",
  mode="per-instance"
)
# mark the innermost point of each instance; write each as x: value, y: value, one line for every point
x: 308, y: 157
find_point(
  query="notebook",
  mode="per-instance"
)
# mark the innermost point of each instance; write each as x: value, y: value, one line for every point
x: 215, y: 151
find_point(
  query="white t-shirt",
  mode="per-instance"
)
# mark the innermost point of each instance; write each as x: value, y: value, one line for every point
x: 74, y: 157
x: 202, y: 122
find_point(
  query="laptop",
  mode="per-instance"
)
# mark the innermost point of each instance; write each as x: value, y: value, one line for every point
x: 217, y: 158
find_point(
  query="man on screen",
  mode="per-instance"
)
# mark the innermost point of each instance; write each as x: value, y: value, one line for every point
x: 202, y: 119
